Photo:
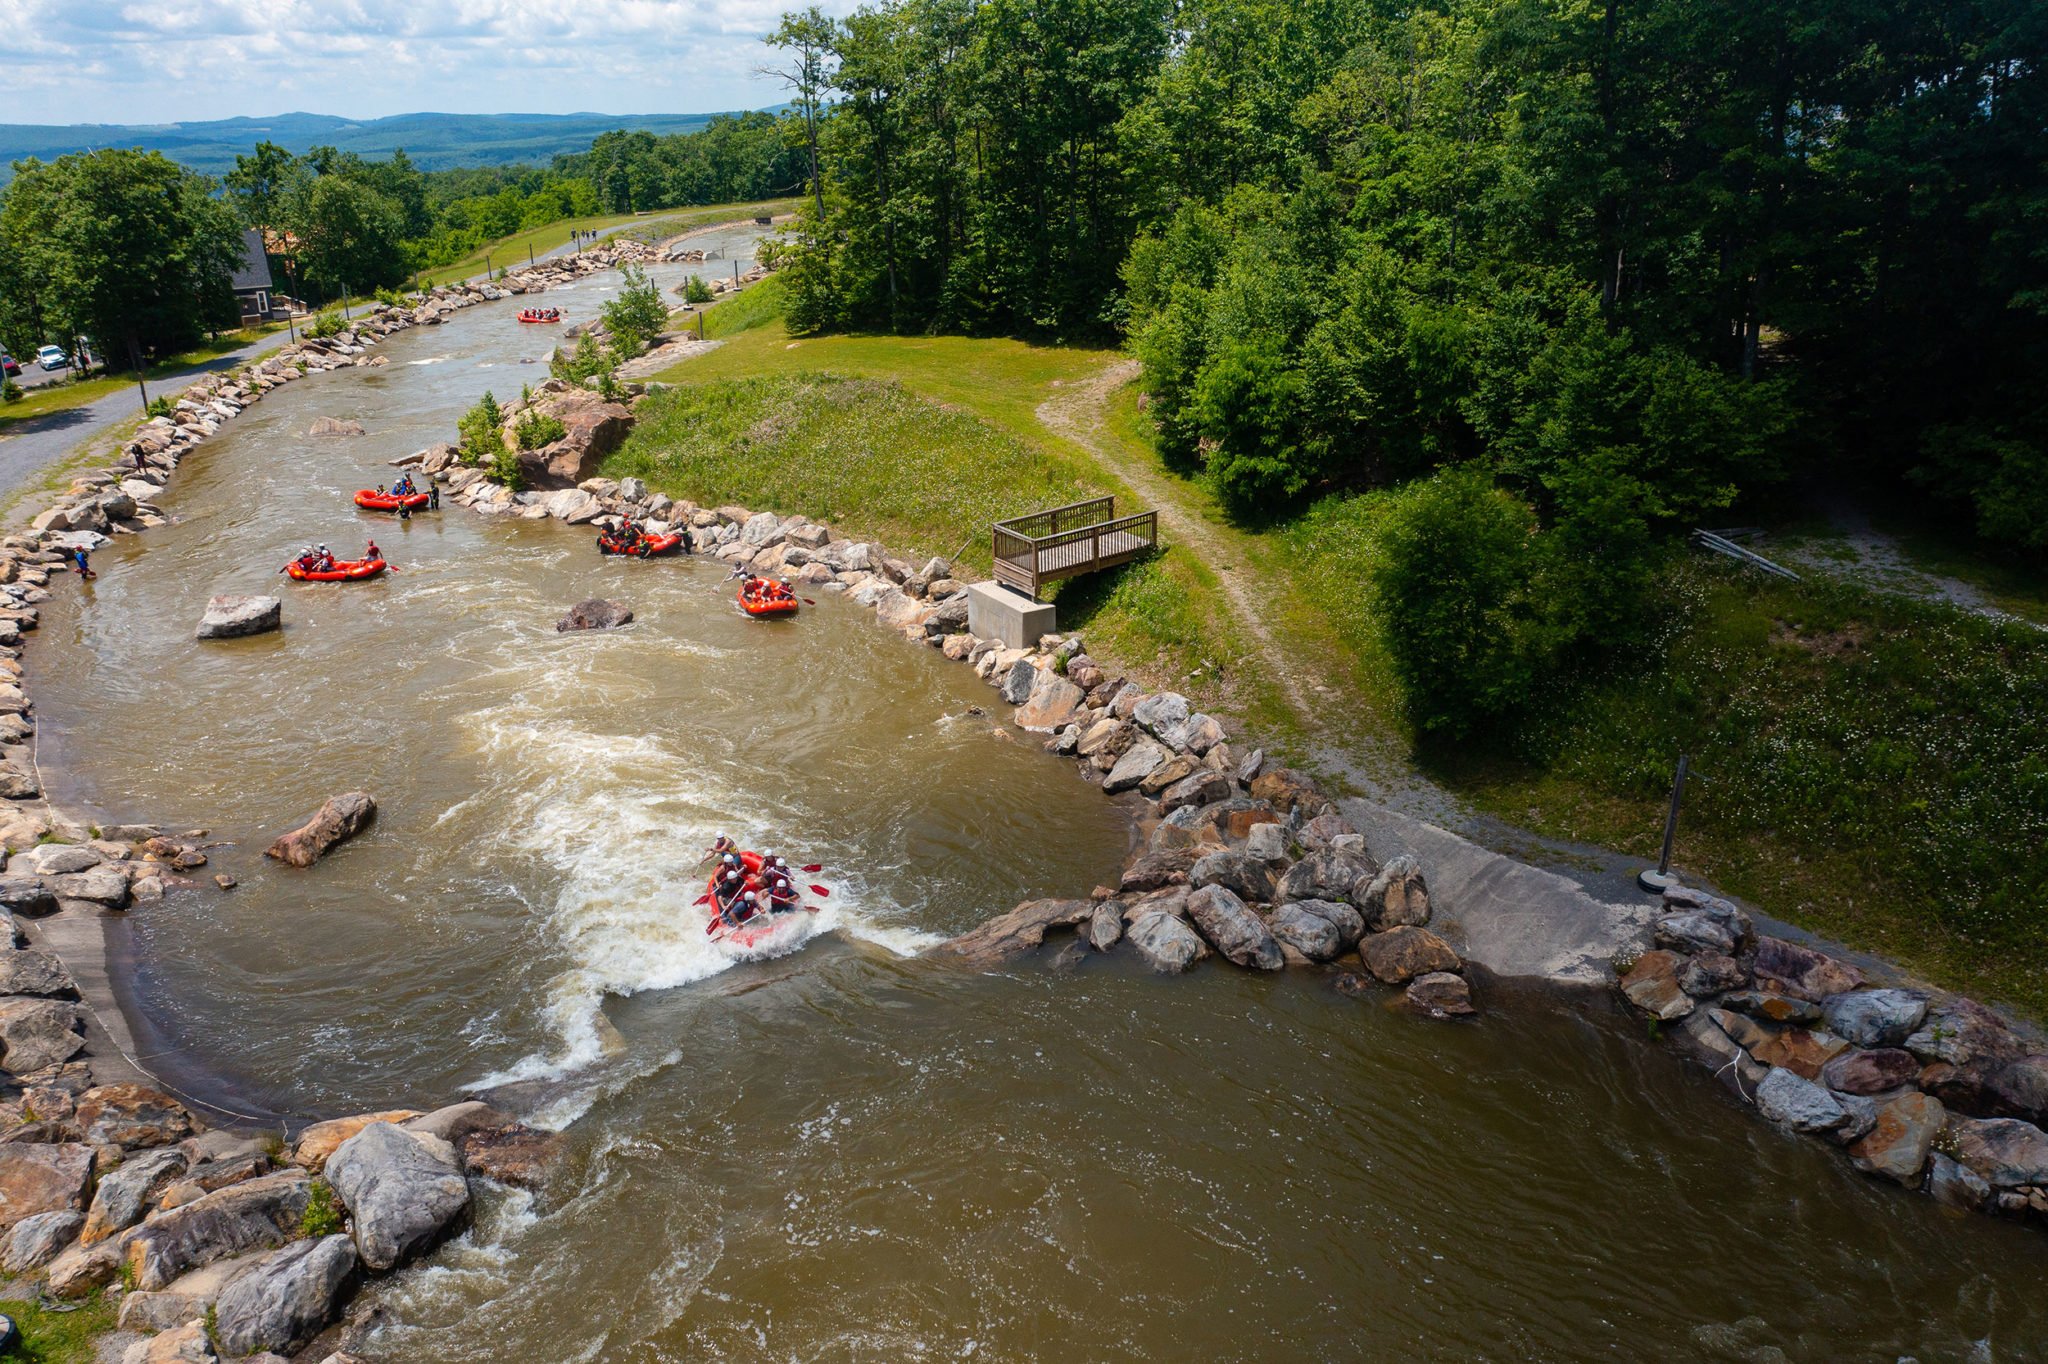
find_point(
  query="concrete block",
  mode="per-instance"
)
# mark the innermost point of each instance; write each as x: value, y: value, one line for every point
x: 996, y: 612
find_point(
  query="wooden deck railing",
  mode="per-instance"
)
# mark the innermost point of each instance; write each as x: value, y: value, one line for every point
x: 1065, y: 542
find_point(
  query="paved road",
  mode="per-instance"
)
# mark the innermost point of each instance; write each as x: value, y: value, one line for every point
x: 29, y: 447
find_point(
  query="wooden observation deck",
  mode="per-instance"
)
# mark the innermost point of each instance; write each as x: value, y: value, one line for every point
x: 1068, y: 541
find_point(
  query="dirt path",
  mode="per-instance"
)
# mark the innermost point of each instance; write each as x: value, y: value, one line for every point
x: 1078, y: 413
x: 1880, y: 561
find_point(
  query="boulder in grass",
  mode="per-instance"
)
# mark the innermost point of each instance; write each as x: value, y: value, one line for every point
x: 232, y: 615
x: 341, y: 817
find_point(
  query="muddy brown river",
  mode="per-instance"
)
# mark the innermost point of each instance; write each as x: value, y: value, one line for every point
x: 850, y: 1152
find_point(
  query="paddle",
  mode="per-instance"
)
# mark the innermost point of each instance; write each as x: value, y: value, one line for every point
x: 821, y: 892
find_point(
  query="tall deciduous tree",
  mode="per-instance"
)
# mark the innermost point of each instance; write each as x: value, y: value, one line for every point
x: 123, y: 247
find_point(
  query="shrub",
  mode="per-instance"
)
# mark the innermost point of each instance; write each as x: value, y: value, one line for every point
x: 326, y: 324
x: 535, y: 429
x: 504, y: 467
x: 482, y: 429
x: 10, y: 392
x: 637, y: 315
x: 695, y: 290
x: 158, y: 407
x: 1453, y: 577
x: 587, y: 361
x: 322, y: 1216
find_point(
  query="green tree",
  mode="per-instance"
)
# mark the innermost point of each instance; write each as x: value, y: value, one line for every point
x: 637, y: 315
x: 123, y: 247
x: 349, y: 237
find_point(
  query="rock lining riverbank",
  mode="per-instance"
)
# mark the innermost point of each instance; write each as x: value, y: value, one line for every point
x: 1238, y: 859
x: 222, y: 1243
x: 1257, y: 865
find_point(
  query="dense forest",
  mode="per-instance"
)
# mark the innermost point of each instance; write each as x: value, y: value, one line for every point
x: 1578, y: 275
x: 129, y: 248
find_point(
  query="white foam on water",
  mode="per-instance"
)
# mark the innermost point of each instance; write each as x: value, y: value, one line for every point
x: 431, y: 360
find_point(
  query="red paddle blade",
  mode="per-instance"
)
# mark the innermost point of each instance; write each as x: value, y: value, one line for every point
x: 820, y: 890
x: 701, y: 900
x: 815, y: 866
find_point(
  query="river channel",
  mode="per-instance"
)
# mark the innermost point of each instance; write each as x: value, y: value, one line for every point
x: 852, y: 1152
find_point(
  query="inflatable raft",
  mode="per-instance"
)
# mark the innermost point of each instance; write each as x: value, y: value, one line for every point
x: 646, y: 547
x: 344, y: 571
x: 768, y: 603
x: 540, y: 314
x: 375, y: 501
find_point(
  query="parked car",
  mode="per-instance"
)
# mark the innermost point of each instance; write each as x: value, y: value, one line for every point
x: 51, y: 357
x: 9, y: 366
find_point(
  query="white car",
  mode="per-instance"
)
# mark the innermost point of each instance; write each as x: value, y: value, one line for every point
x: 50, y: 357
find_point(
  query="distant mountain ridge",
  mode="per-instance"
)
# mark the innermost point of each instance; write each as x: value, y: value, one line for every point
x: 433, y: 141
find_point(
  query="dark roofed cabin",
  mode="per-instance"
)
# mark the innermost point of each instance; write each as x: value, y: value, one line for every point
x: 252, y: 281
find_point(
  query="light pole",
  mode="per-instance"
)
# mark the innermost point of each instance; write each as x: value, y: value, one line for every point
x: 1661, y: 880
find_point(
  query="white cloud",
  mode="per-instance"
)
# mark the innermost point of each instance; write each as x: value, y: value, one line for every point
x: 92, y: 61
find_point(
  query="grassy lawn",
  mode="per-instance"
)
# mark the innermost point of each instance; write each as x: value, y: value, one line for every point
x: 832, y: 446
x: 513, y: 250
x: 59, y: 397
x: 1875, y: 768
x: 49, y: 1337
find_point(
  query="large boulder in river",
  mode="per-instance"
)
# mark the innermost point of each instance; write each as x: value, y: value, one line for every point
x: 1165, y: 941
x: 335, y: 426
x: 593, y: 429
x: 1020, y: 930
x: 231, y: 615
x: 1235, y: 931
x: 341, y: 817
x: 285, y: 1300
x: 403, y: 1194
x: 595, y: 613
x: 1399, y: 955
x: 1312, y: 935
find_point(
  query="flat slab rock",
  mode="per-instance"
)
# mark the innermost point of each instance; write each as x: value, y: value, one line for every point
x: 232, y: 615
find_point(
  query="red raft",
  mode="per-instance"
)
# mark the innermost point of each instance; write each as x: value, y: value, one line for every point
x: 371, y: 500
x: 767, y: 929
x: 540, y: 314
x: 344, y: 571
x: 646, y: 547
x: 767, y: 597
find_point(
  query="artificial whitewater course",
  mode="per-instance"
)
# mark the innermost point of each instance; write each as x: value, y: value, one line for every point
x: 854, y: 1148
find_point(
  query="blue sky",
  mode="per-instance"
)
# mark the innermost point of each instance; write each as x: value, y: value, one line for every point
x: 163, y: 61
